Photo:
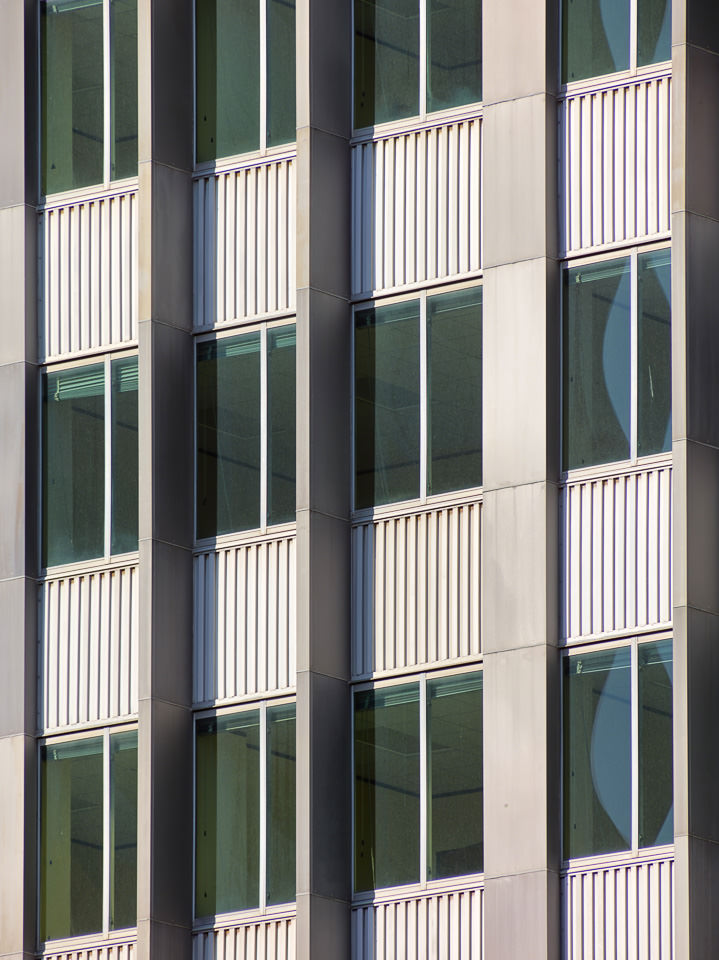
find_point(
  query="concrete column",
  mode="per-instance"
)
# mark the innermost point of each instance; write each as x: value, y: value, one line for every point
x: 165, y: 830
x: 323, y: 479
x: 18, y: 477
x: 695, y: 418
x: 521, y: 463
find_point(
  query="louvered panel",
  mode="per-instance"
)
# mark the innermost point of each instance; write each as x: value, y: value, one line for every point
x: 616, y: 553
x: 415, y: 589
x: 620, y: 912
x: 88, y: 648
x: 244, y: 242
x: 264, y: 940
x: 443, y: 925
x: 244, y: 633
x: 104, y: 951
x: 615, y: 164
x: 416, y: 206
x: 87, y: 276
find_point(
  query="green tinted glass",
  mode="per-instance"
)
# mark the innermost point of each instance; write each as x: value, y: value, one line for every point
x: 123, y: 830
x: 386, y: 64
x: 654, y: 380
x: 124, y: 455
x: 656, y: 788
x: 281, y: 789
x: 595, y: 38
x: 281, y: 424
x: 281, y: 97
x: 654, y: 31
x: 123, y: 87
x: 454, y: 53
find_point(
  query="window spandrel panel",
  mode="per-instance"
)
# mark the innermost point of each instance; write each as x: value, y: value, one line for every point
x: 654, y: 381
x: 281, y: 790
x: 387, y: 411
x: 228, y: 435
x: 227, y: 846
x: 387, y: 787
x: 454, y: 390
x: 71, y: 94
x: 228, y: 77
x: 595, y: 38
x: 455, y: 842
x: 654, y: 31
x: 123, y: 830
x: 597, y: 363
x: 281, y: 98
x: 123, y: 87
x: 597, y: 753
x: 73, y: 475
x: 454, y: 53
x: 656, y: 789
x: 71, y: 838
x: 125, y: 465
x: 386, y: 61
x: 281, y: 422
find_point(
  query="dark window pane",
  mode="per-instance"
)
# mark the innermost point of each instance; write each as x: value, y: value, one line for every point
x: 656, y: 790
x: 281, y: 124
x: 597, y: 363
x: 72, y: 94
x: 597, y: 753
x: 228, y: 77
x: 281, y: 780
x: 454, y: 390
x: 123, y: 830
x: 123, y: 72
x: 71, y: 828
x: 228, y: 435
x: 654, y: 402
x: 281, y: 446
x: 455, y: 844
x: 386, y: 787
x: 227, y: 853
x: 454, y: 53
x: 387, y: 404
x: 654, y: 31
x: 595, y: 38
x: 386, y: 63
x: 124, y: 455
x: 73, y: 479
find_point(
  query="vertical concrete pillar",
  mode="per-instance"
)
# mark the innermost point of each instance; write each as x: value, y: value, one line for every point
x: 18, y: 473
x: 323, y: 479
x: 695, y: 417
x: 164, y: 894
x: 521, y: 463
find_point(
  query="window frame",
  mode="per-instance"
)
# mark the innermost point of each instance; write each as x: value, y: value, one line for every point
x: 212, y: 921
x: 460, y: 881
x: 107, y: 558
x: 107, y: 933
x: 635, y: 851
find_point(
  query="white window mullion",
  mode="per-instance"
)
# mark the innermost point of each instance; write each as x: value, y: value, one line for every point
x: 423, y: 468
x: 635, y: 743
x: 264, y: 733
x: 633, y: 34
x: 263, y: 74
x: 264, y: 446
x: 422, y: 57
x: 633, y: 359
x: 108, y: 457
x: 423, y: 780
x: 106, y: 833
x: 107, y: 96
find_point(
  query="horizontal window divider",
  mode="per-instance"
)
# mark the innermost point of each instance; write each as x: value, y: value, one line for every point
x: 408, y: 508
x: 88, y: 567
x: 622, y: 468
x: 435, y: 285
x: 659, y: 631
x: 575, y: 256
x: 393, y: 128
x: 417, y: 891
x: 208, y: 708
x: 242, y: 323
x: 623, y: 858
x: 88, y: 727
x: 70, y: 945
x: 245, y: 161
x: 245, y: 918
x: 91, y: 353
x: 612, y: 81
x: 102, y: 191
x: 246, y: 538
x: 430, y: 668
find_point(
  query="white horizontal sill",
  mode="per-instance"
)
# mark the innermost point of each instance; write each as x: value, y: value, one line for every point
x: 408, y: 508
x: 416, y: 669
x: 245, y: 538
x: 611, y: 81
x: 426, y: 121
x: 104, y: 350
x: 431, y: 286
x: 245, y: 161
x: 83, y: 568
x: 663, y: 630
x: 101, y: 191
x: 210, y: 707
x: 620, y: 468
x: 87, y: 725
x: 244, y: 918
x: 573, y: 255
x: 89, y: 941
x: 624, y: 858
x: 419, y: 891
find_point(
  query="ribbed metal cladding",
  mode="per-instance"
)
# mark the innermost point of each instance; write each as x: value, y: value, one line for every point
x: 87, y: 275
x: 88, y: 648
x: 244, y: 620
x: 244, y: 242
x: 616, y: 553
x: 416, y: 206
x: 105, y: 951
x: 416, y: 589
x: 623, y: 912
x: 264, y: 940
x: 616, y: 161
x: 449, y: 926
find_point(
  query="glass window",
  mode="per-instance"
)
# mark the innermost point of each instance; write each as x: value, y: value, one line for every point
x: 73, y: 103
x: 77, y: 444
x: 601, y: 700
x: 281, y: 445
x: 408, y: 757
x: 609, y: 333
x: 390, y: 50
x: 238, y: 83
x: 232, y: 751
x: 409, y: 356
x: 74, y: 868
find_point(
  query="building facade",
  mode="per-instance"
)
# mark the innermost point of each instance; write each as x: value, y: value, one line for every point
x: 359, y: 560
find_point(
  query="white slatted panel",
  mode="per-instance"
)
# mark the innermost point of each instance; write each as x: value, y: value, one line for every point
x: 88, y: 638
x: 415, y: 589
x: 617, y: 553
x: 244, y: 620
x: 87, y: 254
x: 244, y: 242
x: 620, y: 912
x: 416, y: 206
x: 615, y: 176
x: 266, y: 940
x: 446, y: 926
x: 105, y: 951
